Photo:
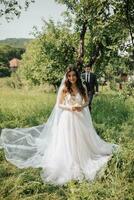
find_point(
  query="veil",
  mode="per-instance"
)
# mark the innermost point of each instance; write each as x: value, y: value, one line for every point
x: 25, y: 147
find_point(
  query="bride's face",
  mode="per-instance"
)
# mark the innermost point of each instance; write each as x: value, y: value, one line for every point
x: 72, y: 77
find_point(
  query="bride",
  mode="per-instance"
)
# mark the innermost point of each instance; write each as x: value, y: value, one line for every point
x: 67, y: 146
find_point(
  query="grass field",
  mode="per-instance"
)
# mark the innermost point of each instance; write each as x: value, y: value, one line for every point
x: 113, y: 119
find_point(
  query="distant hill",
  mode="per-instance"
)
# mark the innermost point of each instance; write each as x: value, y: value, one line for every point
x: 16, y: 42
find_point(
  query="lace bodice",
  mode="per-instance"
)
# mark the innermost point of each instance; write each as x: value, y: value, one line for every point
x: 71, y: 100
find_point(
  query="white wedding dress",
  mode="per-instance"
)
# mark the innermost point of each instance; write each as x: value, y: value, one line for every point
x: 67, y: 147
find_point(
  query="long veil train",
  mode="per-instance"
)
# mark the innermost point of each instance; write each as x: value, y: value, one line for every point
x: 23, y: 146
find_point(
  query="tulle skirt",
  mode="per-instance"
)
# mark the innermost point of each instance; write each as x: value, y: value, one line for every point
x: 66, y: 149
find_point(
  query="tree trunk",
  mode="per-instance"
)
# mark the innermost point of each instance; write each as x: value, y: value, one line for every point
x: 127, y: 11
x: 81, y: 46
x: 127, y: 4
x: 95, y: 54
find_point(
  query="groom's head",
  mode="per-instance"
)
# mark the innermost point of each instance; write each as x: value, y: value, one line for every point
x: 87, y: 68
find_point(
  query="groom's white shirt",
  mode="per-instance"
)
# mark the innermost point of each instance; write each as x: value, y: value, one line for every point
x: 87, y: 76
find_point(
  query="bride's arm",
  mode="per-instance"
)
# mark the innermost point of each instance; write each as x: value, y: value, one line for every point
x: 65, y: 107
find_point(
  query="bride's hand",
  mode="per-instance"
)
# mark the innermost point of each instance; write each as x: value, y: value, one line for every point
x: 73, y: 108
x: 78, y: 109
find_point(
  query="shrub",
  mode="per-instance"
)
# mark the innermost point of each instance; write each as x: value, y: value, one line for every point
x: 4, y: 71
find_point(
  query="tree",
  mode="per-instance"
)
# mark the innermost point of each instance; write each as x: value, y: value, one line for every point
x: 47, y: 57
x: 108, y: 24
x: 96, y: 34
x: 13, y: 8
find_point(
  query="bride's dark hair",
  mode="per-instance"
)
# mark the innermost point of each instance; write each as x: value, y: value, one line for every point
x: 79, y: 84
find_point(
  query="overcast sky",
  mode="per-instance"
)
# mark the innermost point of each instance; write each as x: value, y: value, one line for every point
x: 21, y: 27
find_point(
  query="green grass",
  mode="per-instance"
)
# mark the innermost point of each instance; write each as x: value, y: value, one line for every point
x: 113, y: 120
x: 22, y: 108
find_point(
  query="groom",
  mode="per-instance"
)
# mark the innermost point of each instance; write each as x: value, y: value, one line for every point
x: 90, y: 80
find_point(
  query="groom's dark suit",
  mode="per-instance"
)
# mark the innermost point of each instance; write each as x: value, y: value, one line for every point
x: 91, y: 84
